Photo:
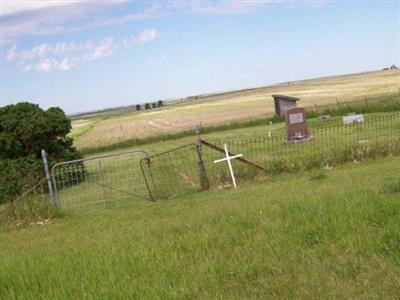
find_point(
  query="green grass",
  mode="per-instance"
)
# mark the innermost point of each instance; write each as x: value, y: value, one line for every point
x: 311, y: 235
x: 32, y: 209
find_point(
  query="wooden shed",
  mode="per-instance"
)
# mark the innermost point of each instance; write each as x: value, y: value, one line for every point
x: 283, y: 103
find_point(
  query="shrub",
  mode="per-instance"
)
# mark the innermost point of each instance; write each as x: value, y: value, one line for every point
x: 18, y: 175
x: 138, y: 107
x: 25, y: 129
x: 147, y: 106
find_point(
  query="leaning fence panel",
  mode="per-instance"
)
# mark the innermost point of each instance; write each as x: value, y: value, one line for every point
x: 173, y: 173
x: 100, y: 182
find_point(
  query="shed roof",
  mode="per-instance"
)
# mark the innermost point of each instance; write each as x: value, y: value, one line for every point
x: 286, y: 97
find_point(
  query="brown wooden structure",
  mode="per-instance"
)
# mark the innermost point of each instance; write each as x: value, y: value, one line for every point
x: 283, y: 103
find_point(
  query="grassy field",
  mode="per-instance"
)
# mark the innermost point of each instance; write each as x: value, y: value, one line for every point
x: 93, y: 131
x: 326, y: 232
x: 311, y: 235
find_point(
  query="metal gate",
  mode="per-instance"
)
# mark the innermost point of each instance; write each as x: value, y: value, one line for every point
x: 100, y: 182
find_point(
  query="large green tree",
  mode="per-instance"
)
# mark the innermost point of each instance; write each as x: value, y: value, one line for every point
x: 25, y: 129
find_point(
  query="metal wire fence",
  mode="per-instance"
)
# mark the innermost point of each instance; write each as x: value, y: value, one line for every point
x: 329, y: 145
x: 173, y: 173
x: 176, y: 172
x: 122, y: 179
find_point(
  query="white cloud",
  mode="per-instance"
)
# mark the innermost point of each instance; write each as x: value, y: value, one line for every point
x: 65, y: 65
x: 65, y: 56
x: 34, y: 18
x: 145, y: 36
x: 221, y: 7
x: 49, y: 64
x: 154, y: 10
x: 51, y: 17
x: 61, y: 56
x: 18, y: 7
x: 12, y: 53
x: 45, y: 65
x: 105, y: 48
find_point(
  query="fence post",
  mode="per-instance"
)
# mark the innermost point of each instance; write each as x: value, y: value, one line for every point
x: 103, y: 185
x: 151, y: 188
x: 48, y: 178
x: 205, y: 184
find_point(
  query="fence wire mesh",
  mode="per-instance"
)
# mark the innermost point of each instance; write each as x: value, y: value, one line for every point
x: 329, y: 145
x: 173, y: 173
x: 100, y: 182
x: 176, y: 172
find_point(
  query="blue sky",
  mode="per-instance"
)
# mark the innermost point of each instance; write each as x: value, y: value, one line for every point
x: 88, y: 55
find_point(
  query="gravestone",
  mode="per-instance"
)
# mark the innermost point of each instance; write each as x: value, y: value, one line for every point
x: 324, y: 117
x: 296, y: 125
x: 350, y: 119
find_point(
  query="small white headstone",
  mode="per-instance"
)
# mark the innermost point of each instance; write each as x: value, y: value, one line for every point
x: 353, y: 119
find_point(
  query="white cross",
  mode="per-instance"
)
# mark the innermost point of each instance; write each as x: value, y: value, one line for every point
x: 269, y: 132
x: 228, y: 159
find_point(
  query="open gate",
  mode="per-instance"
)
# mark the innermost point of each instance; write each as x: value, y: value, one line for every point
x: 101, y: 182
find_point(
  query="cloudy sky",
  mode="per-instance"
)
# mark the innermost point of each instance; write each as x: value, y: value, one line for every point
x: 84, y: 55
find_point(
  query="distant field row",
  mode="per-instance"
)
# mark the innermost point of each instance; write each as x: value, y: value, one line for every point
x: 110, y: 129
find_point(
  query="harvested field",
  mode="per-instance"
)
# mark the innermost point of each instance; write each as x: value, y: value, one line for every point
x: 230, y: 107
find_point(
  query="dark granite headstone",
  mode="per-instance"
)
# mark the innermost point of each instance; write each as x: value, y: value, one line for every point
x: 296, y: 124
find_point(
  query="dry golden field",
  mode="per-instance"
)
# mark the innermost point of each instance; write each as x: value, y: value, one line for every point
x: 109, y: 129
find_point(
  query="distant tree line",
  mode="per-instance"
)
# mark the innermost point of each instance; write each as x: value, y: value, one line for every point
x: 392, y: 67
x: 159, y: 103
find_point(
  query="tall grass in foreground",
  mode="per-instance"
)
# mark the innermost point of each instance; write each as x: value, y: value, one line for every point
x: 325, y: 234
x: 33, y: 206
